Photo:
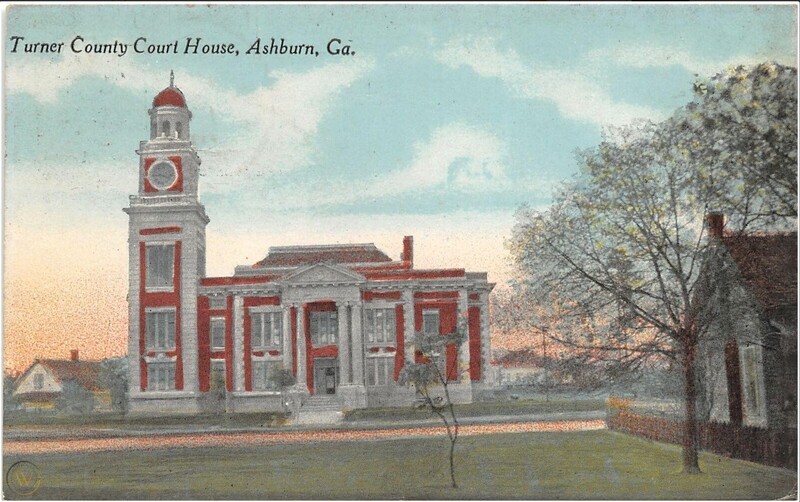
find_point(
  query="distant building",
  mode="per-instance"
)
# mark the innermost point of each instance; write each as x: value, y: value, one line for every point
x: 43, y: 383
x: 748, y: 360
x: 340, y: 317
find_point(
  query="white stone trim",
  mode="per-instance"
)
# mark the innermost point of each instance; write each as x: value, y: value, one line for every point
x: 301, y: 348
x: 238, y: 343
x: 344, y: 343
x: 462, y: 320
x: 358, y: 343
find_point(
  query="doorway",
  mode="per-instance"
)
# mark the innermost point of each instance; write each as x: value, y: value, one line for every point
x: 326, y: 375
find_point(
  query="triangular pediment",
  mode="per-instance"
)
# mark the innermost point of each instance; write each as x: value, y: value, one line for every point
x: 323, y: 273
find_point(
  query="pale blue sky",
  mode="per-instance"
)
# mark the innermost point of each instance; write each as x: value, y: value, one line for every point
x: 446, y: 119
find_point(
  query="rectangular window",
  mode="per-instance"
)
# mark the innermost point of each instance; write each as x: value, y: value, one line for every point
x: 160, y: 330
x: 266, y: 330
x: 38, y: 381
x: 380, y: 371
x: 160, y: 263
x: 264, y: 375
x: 751, y: 375
x: 217, y: 374
x: 217, y: 333
x: 380, y: 326
x: 430, y: 322
x: 324, y: 328
x: 161, y: 376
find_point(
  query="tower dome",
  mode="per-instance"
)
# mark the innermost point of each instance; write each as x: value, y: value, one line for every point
x: 171, y: 96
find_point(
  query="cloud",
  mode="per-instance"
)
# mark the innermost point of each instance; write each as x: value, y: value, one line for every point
x: 455, y: 157
x: 275, y: 125
x: 575, y: 92
x: 653, y: 56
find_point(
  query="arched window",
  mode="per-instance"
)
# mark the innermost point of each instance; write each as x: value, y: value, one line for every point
x: 152, y: 128
x: 165, y: 128
x: 179, y: 129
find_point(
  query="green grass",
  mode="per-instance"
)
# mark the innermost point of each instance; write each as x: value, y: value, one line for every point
x: 576, y: 465
x: 479, y: 409
x: 31, y: 421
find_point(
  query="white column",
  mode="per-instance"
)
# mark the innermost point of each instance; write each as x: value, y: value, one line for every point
x: 286, y: 325
x: 487, y: 374
x: 238, y: 344
x: 301, y: 349
x: 463, y: 322
x: 344, y: 344
x: 358, y: 345
x: 408, y: 325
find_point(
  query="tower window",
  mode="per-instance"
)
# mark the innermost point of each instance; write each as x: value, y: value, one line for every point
x: 179, y: 130
x: 153, y: 128
x: 160, y: 263
x: 160, y: 330
x: 165, y: 128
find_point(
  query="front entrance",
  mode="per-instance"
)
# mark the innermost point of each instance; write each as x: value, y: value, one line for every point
x: 326, y: 375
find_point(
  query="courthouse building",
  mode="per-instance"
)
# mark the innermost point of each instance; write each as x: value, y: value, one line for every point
x: 341, y: 317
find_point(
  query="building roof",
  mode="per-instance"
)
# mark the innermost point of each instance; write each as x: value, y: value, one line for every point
x: 294, y: 256
x: 86, y: 373
x: 768, y: 263
x: 171, y: 96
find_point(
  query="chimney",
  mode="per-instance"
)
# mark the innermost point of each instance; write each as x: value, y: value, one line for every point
x: 715, y: 221
x: 408, y: 250
x: 73, y: 354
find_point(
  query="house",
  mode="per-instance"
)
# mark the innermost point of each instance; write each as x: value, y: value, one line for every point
x: 44, y: 382
x: 748, y: 358
x: 340, y: 317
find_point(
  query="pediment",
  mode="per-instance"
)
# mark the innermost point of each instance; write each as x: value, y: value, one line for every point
x: 323, y: 273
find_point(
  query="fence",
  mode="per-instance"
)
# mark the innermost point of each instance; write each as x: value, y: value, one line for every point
x: 765, y: 446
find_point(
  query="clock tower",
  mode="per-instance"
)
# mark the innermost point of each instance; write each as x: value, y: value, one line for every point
x: 166, y: 243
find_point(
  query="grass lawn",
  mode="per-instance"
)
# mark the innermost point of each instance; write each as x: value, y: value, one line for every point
x: 576, y: 465
x: 478, y: 409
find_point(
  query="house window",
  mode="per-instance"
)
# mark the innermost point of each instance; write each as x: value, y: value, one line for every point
x: 430, y: 322
x: 160, y: 330
x: 380, y: 325
x: 324, y: 328
x: 218, y: 333
x: 752, y: 384
x: 380, y: 371
x: 161, y: 376
x: 266, y: 330
x: 38, y: 381
x: 160, y: 262
x: 264, y: 375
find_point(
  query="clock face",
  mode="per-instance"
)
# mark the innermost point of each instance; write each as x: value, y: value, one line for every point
x: 162, y: 174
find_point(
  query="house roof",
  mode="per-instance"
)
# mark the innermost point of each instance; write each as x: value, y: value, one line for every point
x: 85, y: 373
x: 293, y: 256
x: 768, y: 263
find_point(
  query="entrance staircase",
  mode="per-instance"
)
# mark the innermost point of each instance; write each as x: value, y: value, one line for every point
x: 322, y: 409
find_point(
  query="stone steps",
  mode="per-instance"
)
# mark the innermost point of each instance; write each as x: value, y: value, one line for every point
x: 320, y: 410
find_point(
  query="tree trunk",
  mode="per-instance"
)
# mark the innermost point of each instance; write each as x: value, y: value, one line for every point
x: 690, y: 433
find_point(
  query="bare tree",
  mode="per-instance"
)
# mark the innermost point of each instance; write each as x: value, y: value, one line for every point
x: 622, y: 255
x: 431, y: 376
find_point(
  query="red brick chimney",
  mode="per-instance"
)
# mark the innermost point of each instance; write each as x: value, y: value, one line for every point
x: 408, y: 250
x: 73, y: 354
x: 715, y: 222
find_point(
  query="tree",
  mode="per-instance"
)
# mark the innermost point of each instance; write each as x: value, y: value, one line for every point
x: 74, y: 398
x: 620, y: 254
x: 114, y: 376
x: 9, y: 385
x: 431, y: 379
x: 284, y: 379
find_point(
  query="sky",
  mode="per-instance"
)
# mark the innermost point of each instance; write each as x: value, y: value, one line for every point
x: 440, y: 122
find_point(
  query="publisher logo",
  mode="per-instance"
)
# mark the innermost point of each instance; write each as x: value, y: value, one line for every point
x: 24, y: 478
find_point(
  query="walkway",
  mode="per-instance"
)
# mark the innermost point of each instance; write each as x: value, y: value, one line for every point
x: 252, y: 438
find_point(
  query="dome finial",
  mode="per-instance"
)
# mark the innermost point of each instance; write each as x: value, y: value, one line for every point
x: 171, y: 79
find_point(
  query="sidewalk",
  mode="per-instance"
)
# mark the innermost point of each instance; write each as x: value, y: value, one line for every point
x: 91, y: 432
x: 217, y: 439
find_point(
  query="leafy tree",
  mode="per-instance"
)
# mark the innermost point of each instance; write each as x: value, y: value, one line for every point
x: 284, y: 379
x: 74, y: 398
x: 620, y: 254
x: 431, y: 379
x: 9, y: 385
x: 114, y: 377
